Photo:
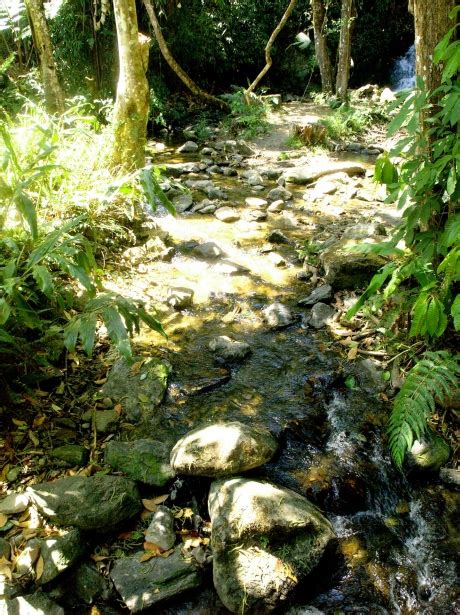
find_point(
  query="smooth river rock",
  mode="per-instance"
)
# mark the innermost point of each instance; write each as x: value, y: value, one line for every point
x: 277, y: 316
x: 227, y: 214
x: 265, y: 539
x: 222, y: 449
x: 227, y: 350
x: 344, y: 268
x: 309, y: 174
x: 98, y: 503
x: 146, y: 461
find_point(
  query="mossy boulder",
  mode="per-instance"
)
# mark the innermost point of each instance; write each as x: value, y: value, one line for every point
x: 146, y: 461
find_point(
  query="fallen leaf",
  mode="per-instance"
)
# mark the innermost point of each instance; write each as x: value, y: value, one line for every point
x: 150, y: 505
x: 5, y: 568
x: 38, y: 421
x: 3, y: 519
x: 352, y: 353
x: 118, y: 409
x: 99, y: 558
x: 40, y: 566
x: 147, y: 555
x: 100, y: 381
x: 39, y: 393
x: 34, y: 438
x: 19, y: 423
x: 167, y: 553
x: 152, y: 547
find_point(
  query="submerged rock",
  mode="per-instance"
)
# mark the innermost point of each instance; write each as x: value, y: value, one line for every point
x: 98, y: 503
x: 143, y: 584
x: 146, y: 461
x: 222, y: 449
x: 138, y: 389
x: 264, y: 540
x: 206, y: 381
x: 278, y: 316
x: 227, y: 350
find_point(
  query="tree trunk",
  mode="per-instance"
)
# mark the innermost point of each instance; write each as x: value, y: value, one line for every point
x: 54, y: 98
x: 431, y: 19
x: 132, y: 102
x: 192, y: 86
x: 321, y: 50
x: 343, y: 65
x: 268, y: 48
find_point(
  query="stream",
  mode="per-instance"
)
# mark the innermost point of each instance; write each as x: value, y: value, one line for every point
x: 396, y: 536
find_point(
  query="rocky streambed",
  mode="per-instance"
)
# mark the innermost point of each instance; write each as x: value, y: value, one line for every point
x: 242, y: 461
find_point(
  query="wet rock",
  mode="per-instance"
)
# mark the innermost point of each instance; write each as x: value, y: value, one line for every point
x: 276, y: 259
x: 146, y: 461
x: 139, y: 391
x: 279, y: 193
x: 276, y: 206
x: 212, y: 379
x: 208, y: 250
x: 304, y: 610
x: 180, y: 298
x: 31, y: 604
x: 322, y: 293
x: 321, y: 315
x: 199, y: 184
x: 278, y: 316
x: 265, y: 539
x: 98, y: 503
x: 362, y: 231
x: 450, y: 476
x: 208, y: 151
x: 214, y: 170
x: 59, y: 553
x: 309, y: 174
x: 429, y: 453
x: 345, y: 269
x: 230, y: 267
x: 270, y: 172
x: 256, y: 215
x: 322, y: 188
x: 277, y: 236
x: 14, y: 503
x: 230, y: 172
x: 227, y: 350
x: 161, y: 529
x: 143, y: 584
x: 222, y: 449
x: 255, y: 203
x: 189, y: 147
x: 183, y: 202
x: 71, y: 454
x: 254, y: 179
x: 227, y: 214
x: 176, y: 169
x: 244, y: 149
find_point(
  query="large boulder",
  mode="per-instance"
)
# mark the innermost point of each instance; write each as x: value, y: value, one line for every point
x: 31, y: 604
x: 138, y: 387
x: 264, y: 540
x: 344, y: 268
x: 222, y: 449
x: 59, y: 553
x: 143, y: 584
x: 98, y: 503
x: 309, y: 174
x: 143, y: 460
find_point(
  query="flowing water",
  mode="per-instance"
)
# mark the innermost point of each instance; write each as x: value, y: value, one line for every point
x: 395, y: 540
x: 403, y: 76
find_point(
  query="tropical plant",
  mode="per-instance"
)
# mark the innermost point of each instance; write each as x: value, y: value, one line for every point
x: 422, y: 175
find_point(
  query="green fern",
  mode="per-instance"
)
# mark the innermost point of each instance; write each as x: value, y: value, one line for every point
x: 435, y: 377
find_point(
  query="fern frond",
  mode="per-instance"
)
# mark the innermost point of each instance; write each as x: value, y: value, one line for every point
x: 435, y: 377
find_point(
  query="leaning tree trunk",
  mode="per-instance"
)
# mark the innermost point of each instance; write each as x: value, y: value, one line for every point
x: 54, y: 98
x: 321, y: 50
x: 268, y: 49
x: 343, y: 64
x: 132, y: 102
x: 192, y: 86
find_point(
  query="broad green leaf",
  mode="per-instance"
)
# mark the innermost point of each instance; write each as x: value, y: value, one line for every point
x: 117, y: 330
x: 87, y: 332
x: 44, y: 279
x: 376, y: 282
x: 71, y: 331
x: 432, y: 316
x: 153, y: 191
x: 451, y: 181
x: 419, y: 312
x: 51, y: 239
x: 5, y: 311
x: 27, y: 210
x: 455, y: 312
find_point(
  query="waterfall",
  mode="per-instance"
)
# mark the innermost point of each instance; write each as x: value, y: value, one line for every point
x: 403, y: 76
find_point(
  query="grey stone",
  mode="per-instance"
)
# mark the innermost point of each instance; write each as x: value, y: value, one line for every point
x: 256, y: 215
x: 450, y: 476
x: 73, y: 454
x: 31, y: 604
x: 180, y: 298
x: 139, y: 391
x: 276, y: 206
x: 161, y: 529
x: 277, y: 316
x: 309, y: 174
x: 254, y: 179
x: 244, y: 149
x: 5, y: 548
x: 199, y: 184
x: 183, y: 202
x: 84, y: 584
x: 214, y: 169
x: 346, y: 269
x: 277, y: 236
x: 279, y: 193
x: 143, y: 584
x: 14, y: 503
x: 256, y: 203
x: 222, y: 449
x: 59, y: 553
x: 175, y: 169
x: 230, y: 172
x: 322, y: 293
x: 106, y: 421
x: 429, y: 453
x: 189, y: 147
x: 321, y: 314
x: 229, y: 267
x: 205, y: 381
x: 276, y: 259
x: 98, y: 503
x: 265, y: 539
x: 362, y: 231
x: 146, y: 461
x: 208, y: 250
x: 227, y: 214
x: 227, y: 350
x: 270, y: 172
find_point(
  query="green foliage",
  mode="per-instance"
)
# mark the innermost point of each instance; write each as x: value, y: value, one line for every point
x: 347, y: 121
x: 433, y: 379
x: 246, y: 120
